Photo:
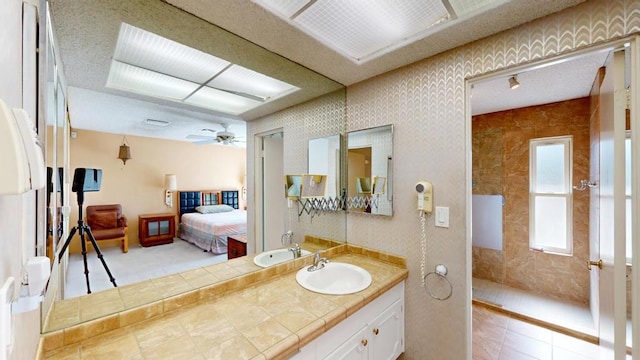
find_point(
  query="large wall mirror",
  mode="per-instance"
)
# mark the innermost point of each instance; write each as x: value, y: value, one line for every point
x: 370, y: 171
x: 70, y: 26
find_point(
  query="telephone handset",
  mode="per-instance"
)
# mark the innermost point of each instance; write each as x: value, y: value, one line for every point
x: 425, y: 196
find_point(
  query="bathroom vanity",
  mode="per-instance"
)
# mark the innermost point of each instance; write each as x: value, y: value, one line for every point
x: 374, y: 332
x: 264, y: 314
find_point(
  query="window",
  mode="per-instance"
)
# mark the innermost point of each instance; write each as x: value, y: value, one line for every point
x: 550, y: 197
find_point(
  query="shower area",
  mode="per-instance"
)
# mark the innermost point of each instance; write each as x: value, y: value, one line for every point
x: 507, y: 273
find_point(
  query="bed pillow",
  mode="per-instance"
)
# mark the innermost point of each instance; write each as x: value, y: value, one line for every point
x: 213, y: 209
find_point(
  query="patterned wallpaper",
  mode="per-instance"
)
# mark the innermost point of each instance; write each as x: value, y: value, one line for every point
x: 321, y: 117
x: 426, y: 103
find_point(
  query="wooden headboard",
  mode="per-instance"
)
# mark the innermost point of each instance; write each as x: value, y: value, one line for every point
x: 189, y: 200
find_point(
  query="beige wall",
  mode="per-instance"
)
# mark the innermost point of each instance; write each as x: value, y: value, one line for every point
x: 501, y: 166
x: 426, y: 103
x: 139, y: 185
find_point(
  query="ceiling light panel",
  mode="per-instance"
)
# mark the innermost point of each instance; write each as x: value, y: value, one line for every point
x: 221, y: 101
x: 361, y: 28
x: 148, y: 64
x: 242, y: 80
x: 466, y: 7
x: 153, y: 52
x: 134, y: 79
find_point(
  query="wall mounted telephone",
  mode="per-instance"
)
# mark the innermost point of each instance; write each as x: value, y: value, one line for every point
x: 425, y: 196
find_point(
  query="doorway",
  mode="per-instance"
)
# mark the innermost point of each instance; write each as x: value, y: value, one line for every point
x: 271, y: 216
x: 512, y: 273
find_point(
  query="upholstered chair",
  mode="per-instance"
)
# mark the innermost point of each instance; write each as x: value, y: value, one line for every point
x: 107, y: 222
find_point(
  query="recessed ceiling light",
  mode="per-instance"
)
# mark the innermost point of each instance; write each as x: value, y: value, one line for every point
x: 148, y: 64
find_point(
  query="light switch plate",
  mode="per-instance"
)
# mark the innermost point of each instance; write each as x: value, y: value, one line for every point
x: 442, y: 216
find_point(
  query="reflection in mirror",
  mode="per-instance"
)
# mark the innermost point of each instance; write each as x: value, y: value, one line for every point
x: 292, y: 184
x: 324, y: 158
x: 313, y: 186
x: 370, y: 170
x: 71, y: 26
x: 61, y: 141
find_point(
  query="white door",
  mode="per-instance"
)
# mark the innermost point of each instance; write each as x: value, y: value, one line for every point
x: 273, y: 200
x: 609, y: 284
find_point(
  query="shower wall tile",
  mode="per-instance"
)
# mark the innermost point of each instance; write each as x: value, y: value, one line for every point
x: 426, y: 103
x: 547, y: 274
x: 488, y: 264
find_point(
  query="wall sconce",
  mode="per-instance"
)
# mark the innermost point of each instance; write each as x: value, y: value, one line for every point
x: 125, y: 151
x: 170, y: 184
x: 244, y: 187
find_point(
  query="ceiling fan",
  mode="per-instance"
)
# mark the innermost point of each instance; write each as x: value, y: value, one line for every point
x: 224, y: 137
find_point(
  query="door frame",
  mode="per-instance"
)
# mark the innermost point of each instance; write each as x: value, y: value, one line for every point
x: 259, y: 186
x: 634, y: 83
x: 635, y: 119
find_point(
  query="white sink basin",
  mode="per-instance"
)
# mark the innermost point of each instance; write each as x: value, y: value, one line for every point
x: 270, y: 258
x: 334, y: 279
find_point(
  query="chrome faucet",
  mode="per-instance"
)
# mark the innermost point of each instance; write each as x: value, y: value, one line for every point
x: 288, y: 235
x: 318, y: 262
x: 295, y: 249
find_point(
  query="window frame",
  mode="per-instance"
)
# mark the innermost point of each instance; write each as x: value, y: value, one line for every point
x: 567, y: 142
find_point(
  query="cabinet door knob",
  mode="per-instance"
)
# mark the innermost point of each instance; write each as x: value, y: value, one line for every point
x: 364, y: 342
x: 376, y: 331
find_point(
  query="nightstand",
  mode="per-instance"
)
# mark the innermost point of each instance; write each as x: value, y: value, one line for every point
x: 156, y: 229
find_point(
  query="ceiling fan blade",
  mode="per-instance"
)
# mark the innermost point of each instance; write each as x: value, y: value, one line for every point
x: 205, y: 142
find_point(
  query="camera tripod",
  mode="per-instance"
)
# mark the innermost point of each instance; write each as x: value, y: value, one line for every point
x: 82, y: 229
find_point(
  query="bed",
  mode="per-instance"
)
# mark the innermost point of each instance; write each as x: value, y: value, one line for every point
x: 208, y: 217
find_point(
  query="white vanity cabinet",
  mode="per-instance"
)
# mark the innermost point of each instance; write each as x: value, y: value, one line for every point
x: 374, y: 332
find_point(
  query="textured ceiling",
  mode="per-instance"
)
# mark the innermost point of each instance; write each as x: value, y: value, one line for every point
x: 86, y: 32
x: 252, y: 22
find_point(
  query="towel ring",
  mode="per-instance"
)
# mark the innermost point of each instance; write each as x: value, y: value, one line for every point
x: 440, y: 272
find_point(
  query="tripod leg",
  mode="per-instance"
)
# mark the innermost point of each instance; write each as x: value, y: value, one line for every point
x: 66, y: 243
x: 84, y: 258
x: 104, y: 263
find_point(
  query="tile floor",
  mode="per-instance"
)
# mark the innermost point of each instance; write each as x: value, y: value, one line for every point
x: 572, y: 316
x: 140, y: 263
x: 497, y: 336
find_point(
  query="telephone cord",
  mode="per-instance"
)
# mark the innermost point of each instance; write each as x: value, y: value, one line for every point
x: 423, y: 246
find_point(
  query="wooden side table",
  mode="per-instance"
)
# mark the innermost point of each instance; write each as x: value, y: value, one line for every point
x: 236, y: 246
x: 156, y: 229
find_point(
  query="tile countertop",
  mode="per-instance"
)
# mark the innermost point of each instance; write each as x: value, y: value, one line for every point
x: 269, y: 318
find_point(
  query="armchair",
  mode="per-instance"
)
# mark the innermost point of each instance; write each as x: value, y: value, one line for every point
x: 107, y: 222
